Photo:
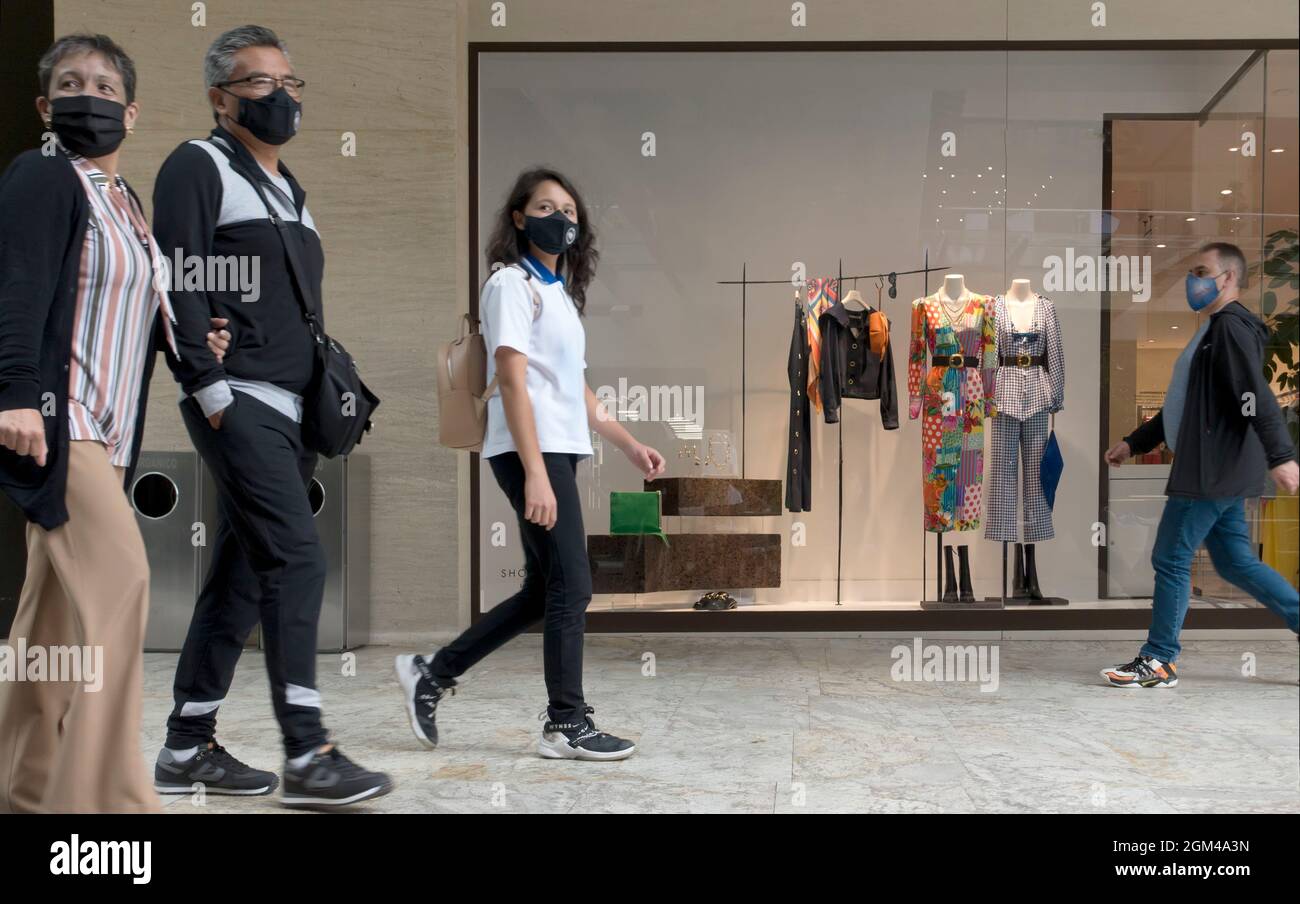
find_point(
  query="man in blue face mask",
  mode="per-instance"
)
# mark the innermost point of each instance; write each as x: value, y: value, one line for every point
x: 1225, y: 428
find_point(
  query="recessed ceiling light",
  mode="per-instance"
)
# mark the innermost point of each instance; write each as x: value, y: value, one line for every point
x: 922, y: 175
x: 1173, y: 327
x: 1161, y: 245
x: 990, y: 169
x: 943, y: 191
x: 952, y: 175
x: 1225, y: 191
x: 1276, y: 150
x: 1042, y: 186
x: 1191, y: 219
x: 1151, y: 342
x: 979, y: 175
x: 1233, y: 150
x: 941, y: 169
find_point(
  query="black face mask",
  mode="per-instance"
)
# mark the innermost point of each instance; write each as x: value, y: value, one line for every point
x: 272, y: 119
x: 88, y: 125
x: 554, y: 234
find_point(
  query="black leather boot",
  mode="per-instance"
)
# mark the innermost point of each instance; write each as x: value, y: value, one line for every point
x: 1031, y: 574
x: 1018, y: 574
x: 949, y: 577
x: 967, y: 595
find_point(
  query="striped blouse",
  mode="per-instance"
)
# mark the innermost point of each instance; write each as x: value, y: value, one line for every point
x: 122, y: 284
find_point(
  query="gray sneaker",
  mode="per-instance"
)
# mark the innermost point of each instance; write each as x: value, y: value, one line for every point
x: 213, y: 768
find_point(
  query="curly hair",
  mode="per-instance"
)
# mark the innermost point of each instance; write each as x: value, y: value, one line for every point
x: 507, y: 244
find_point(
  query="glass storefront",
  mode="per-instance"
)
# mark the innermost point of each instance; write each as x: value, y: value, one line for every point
x: 727, y: 186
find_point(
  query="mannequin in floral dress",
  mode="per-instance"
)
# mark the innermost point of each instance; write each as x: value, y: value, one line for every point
x: 952, y: 394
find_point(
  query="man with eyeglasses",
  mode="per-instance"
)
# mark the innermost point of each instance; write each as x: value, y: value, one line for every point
x: 1225, y: 428
x: 233, y: 220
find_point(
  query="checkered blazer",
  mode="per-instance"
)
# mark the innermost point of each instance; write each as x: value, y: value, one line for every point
x: 1022, y: 392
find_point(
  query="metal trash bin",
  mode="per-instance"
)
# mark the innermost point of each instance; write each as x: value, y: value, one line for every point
x: 340, y: 499
x: 165, y: 496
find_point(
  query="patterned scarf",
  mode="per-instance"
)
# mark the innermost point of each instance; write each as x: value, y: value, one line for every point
x: 822, y: 294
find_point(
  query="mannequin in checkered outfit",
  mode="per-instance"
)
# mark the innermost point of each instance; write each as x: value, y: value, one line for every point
x: 1030, y: 388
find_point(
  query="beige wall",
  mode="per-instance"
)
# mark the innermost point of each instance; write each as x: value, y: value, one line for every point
x: 393, y: 219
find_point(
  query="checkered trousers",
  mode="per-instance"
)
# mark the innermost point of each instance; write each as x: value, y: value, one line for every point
x: 1017, y: 448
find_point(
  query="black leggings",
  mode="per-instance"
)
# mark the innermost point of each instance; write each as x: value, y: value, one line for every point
x: 556, y: 587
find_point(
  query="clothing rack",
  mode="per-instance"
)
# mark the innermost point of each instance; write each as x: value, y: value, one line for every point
x: 744, y: 282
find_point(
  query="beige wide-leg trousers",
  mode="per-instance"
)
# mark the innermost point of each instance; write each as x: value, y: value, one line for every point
x: 64, y: 747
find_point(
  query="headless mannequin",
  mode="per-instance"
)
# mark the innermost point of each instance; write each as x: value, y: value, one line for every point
x: 953, y: 295
x: 1021, y: 301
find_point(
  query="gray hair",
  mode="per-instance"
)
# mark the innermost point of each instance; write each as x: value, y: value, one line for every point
x: 87, y: 43
x: 219, y: 61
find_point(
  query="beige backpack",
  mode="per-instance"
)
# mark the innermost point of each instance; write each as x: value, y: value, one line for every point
x: 462, y: 373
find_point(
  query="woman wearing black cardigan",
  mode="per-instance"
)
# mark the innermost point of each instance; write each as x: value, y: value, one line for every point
x: 83, y: 308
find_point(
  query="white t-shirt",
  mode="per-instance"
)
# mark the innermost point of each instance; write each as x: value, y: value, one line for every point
x: 556, y: 346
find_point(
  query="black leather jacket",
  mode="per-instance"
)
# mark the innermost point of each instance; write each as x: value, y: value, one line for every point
x: 849, y: 369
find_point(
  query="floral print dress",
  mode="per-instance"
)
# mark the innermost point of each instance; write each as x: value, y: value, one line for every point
x: 952, y: 402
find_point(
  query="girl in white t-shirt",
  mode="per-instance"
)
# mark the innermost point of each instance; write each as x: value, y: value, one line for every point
x: 542, y: 248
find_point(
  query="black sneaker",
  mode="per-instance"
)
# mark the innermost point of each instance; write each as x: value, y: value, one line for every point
x: 421, y: 693
x: 581, y: 741
x: 331, y: 780
x: 213, y: 768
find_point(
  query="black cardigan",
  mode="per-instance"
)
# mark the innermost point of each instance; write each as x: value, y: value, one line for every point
x: 1223, y: 449
x: 43, y: 216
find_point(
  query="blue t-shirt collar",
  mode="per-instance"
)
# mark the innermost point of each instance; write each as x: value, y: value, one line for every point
x: 541, y: 271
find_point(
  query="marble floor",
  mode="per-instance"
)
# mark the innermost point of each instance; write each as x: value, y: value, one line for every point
x: 807, y: 725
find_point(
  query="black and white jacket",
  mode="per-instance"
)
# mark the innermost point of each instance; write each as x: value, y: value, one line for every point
x: 204, y: 207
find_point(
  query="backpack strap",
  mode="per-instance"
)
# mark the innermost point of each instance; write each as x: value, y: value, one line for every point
x: 537, y: 312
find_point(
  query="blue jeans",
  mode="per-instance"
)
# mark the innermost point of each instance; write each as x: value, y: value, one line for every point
x: 1221, y: 525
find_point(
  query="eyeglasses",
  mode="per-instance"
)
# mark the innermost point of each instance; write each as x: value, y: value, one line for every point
x: 262, y: 85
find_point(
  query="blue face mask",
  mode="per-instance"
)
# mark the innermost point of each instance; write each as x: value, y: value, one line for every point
x: 1201, y: 291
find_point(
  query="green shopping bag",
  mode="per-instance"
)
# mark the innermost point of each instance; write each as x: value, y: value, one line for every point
x: 635, y: 513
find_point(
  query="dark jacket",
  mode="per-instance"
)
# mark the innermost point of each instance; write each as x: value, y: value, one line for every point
x: 1224, y: 449
x: 849, y: 369
x: 269, y: 340
x: 43, y: 216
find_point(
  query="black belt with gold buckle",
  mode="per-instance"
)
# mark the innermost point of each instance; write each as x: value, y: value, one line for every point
x: 956, y: 361
x: 1022, y: 360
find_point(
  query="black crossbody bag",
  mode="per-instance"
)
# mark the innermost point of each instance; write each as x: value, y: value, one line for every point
x: 338, y: 405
